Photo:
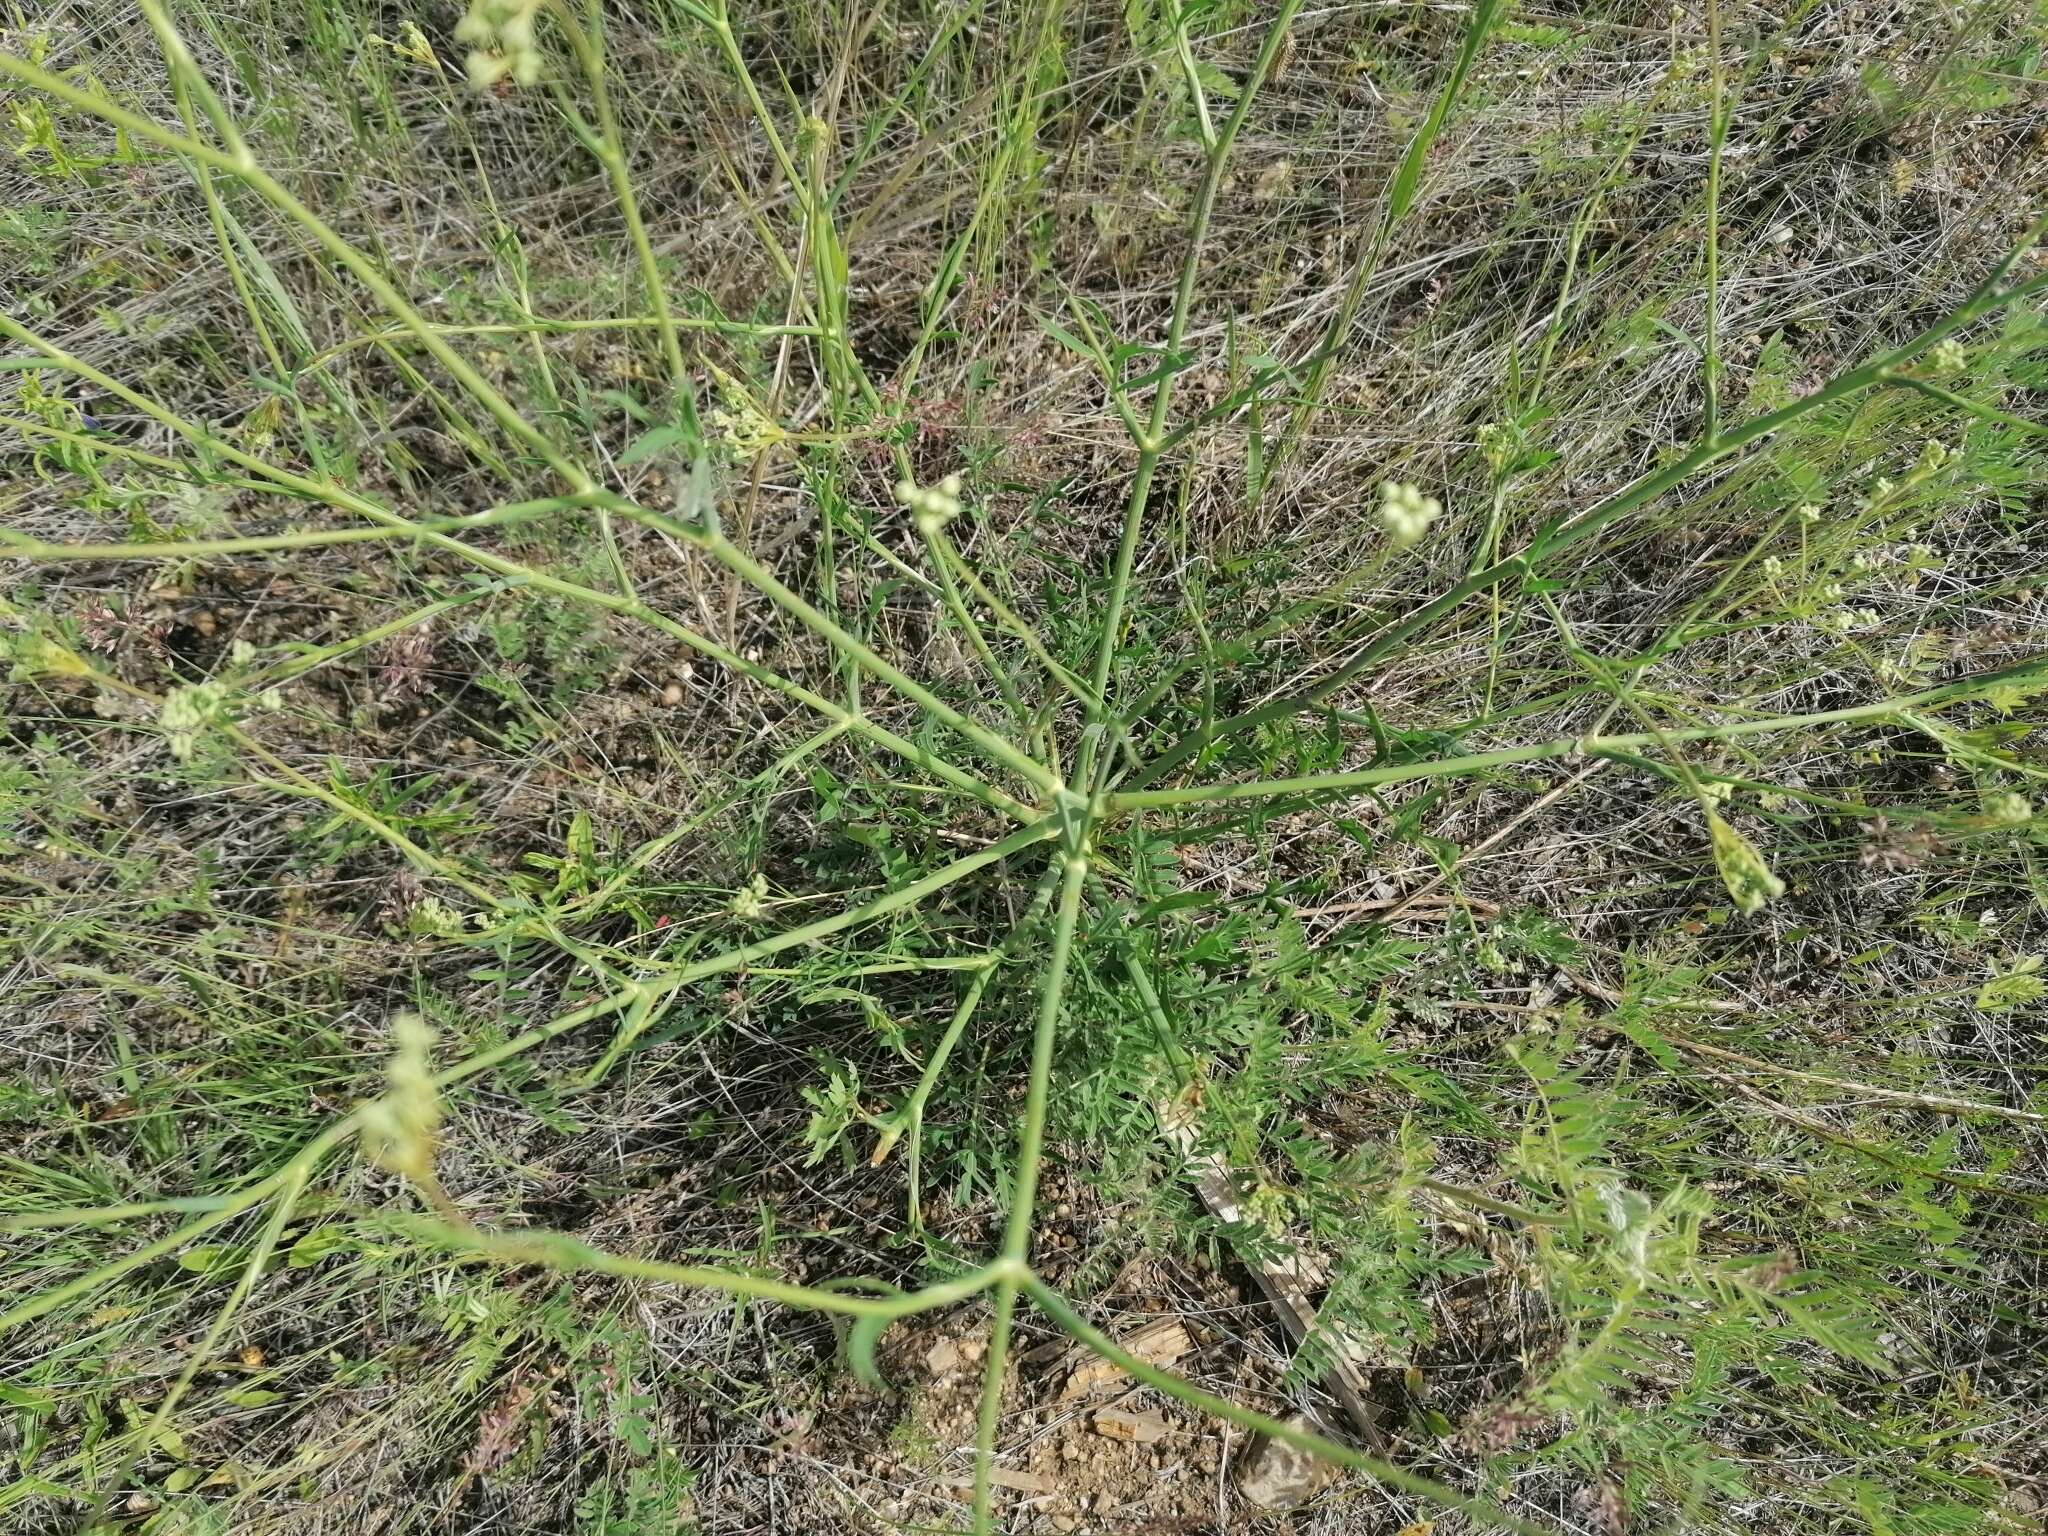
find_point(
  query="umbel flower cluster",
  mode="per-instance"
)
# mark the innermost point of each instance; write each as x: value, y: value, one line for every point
x: 501, y: 42
x: 932, y: 506
x: 1406, y: 513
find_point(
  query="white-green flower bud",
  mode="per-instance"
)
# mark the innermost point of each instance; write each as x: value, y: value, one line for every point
x: 1405, y: 512
x: 750, y: 904
x: 931, y: 507
x: 1948, y: 356
x: 400, y: 1129
x: 186, y: 714
x: 503, y: 42
x: 1497, y: 442
x: 484, y: 69
x: 1743, y: 870
x: 2008, y: 809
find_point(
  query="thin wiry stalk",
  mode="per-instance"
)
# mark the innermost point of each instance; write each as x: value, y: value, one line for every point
x: 737, y: 560
x: 1582, y: 225
x: 568, y: 1256
x: 216, y: 216
x: 1038, y: 1086
x: 942, y: 546
x: 1073, y: 868
x: 620, y: 603
x: 347, y: 1126
x: 1191, y: 74
x: 96, y: 444
x: 609, y: 148
x: 1569, y: 746
x: 944, y: 566
x: 909, y: 1122
x: 302, y: 1163
x: 541, y: 325
x: 1710, y: 340
x: 110, y: 1215
x: 1401, y: 196
x: 202, y: 1354
x: 588, y: 48
x: 1977, y: 408
x: 1149, y: 447
x: 1012, y: 136
x: 1566, y: 531
x: 1488, y: 1515
x: 23, y: 547
x: 244, y: 167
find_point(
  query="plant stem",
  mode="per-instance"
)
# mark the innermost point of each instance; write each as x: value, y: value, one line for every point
x: 612, y: 151
x: 216, y: 215
x: 728, y: 554
x: 1191, y: 74
x: 544, y: 326
x: 1975, y: 408
x: 566, y: 1255
x: 1487, y: 1515
x: 620, y: 603
x: 244, y: 167
x: 1938, y: 1102
x: 1073, y: 868
x: 910, y: 1122
x: 1564, y: 532
x: 1150, y: 446
x: 301, y: 1165
x: 1710, y: 341
x: 21, y: 547
x: 1449, y: 767
x: 108, y: 1215
x: 943, y: 549
x: 81, y: 440
x: 938, y: 554
x: 1401, y: 197
x: 197, y: 1356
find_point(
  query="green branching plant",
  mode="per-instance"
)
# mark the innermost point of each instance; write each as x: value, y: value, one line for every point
x: 1065, y: 758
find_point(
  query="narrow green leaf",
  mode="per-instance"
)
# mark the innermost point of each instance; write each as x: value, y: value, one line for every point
x: 861, y: 1340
